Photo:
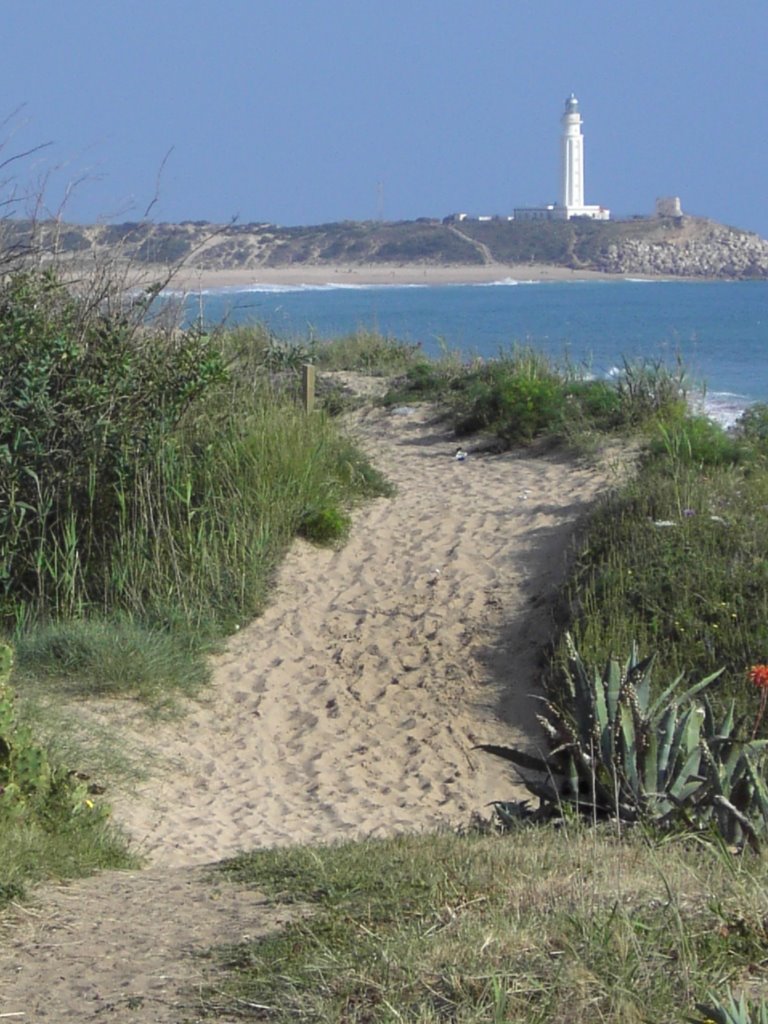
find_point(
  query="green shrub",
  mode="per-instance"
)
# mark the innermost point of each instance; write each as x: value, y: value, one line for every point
x: 594, y: 405
x: 324, y: 525
x: 145, y: 479
x: 521, y: 394
x: 518, y: 409
x: 517, y: 397
x: 255, y: 349
x: 423, y: 378
x: 429, y: 381
x: 752, y: 425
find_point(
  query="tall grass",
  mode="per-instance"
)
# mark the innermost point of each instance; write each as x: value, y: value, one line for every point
x: 59, y: 847
x: 158, y: 478
x: 207, y: 520
x: 367, y: 352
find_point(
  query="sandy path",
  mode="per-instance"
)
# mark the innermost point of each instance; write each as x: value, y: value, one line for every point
x: 125, y: 947
x: 350, y: 708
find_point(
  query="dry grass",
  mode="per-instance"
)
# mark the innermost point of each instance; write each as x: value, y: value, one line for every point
x: 542, y: 925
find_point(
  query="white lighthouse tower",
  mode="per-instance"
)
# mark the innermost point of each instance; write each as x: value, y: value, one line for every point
x: 572, y: 168
x: 572, y: 148
x: 571, y: 202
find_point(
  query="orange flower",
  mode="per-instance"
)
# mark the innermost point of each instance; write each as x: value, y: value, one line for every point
x: 758, y: 675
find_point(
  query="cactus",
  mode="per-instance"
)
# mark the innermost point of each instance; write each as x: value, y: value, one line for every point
x: 30, y: 769
x: 618, y: 752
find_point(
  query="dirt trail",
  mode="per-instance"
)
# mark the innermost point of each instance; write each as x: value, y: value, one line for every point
x: 350, y: 708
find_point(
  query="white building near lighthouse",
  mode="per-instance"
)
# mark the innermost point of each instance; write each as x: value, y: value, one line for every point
x: 571, y: 202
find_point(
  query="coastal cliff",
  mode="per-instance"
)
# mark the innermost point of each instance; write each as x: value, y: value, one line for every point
x: 690, y: 247
x: 712, y: 251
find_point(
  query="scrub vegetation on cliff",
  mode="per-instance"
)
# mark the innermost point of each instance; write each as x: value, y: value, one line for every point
x: 671, y: 246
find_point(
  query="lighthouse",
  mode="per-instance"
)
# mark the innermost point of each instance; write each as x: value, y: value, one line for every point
x: 571, y: 202
x: 572, y: 150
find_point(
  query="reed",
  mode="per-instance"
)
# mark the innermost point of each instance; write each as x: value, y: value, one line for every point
x: 153, y: 479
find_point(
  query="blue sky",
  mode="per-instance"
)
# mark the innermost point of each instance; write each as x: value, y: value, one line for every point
x: 306, y: 111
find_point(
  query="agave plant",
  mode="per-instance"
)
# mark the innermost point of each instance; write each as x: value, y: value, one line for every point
x: 731, y: 1012
x: 736, y: 788
x: 618, y: 752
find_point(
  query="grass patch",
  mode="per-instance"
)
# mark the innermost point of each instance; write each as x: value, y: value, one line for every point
x: 58, y: 847
x: 367, y: 352
x: 51, y: 820
x: 544, y: 926
x: 98, y: 658
x: 677, y: 560
x: 74, y: 738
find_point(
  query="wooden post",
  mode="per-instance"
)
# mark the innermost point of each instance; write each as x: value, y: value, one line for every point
x: 308, y: 386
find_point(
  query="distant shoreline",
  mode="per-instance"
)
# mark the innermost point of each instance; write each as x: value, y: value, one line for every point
x: 194, y: 279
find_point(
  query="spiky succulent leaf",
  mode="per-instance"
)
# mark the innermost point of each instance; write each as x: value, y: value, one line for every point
x: 687, y: 695
x: 629, y: 748
x: 684, y: 740
x: 667, y: 760
x: 613, y: 681
x: 665, y: 698
x: 727, y: 725
x: 729, y: 1011
x: 650, y: 766
x: 603, y: 728
x: 666, y: 731
x: 641, y: 677
x: 760, y: 793
x: 582, y: 706
x: 544, y: 791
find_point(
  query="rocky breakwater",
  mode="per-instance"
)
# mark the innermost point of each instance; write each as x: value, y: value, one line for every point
x: 696, y: 249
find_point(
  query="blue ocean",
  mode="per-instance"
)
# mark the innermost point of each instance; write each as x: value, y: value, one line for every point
x: 719, y: 330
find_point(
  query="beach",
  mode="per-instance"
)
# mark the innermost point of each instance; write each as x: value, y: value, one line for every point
x: 193, y: 279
